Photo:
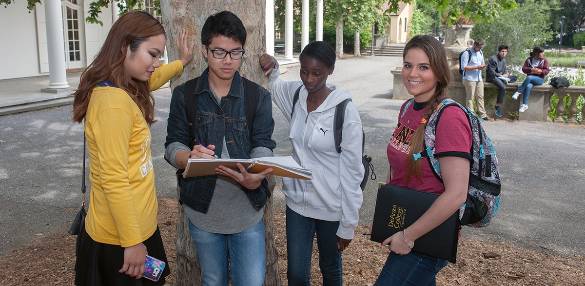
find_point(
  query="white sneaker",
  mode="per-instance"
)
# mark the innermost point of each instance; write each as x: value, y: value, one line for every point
x: 515, y: 95
x: 523, y: 107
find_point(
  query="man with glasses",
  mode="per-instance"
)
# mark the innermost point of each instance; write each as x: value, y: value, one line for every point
x: 221, y: 114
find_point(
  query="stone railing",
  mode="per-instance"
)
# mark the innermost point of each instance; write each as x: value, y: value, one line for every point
x: 539, y: 101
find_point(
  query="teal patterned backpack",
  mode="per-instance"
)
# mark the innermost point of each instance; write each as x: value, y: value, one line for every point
x: 483, y: 195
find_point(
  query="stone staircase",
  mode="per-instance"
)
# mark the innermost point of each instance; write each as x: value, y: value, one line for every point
x: 393, y: 50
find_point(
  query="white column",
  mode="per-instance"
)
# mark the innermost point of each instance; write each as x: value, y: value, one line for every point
x: 288, y: 28
x: 269, y: 22
x: 305, y: 24
x: 55, y: 46
x: 115, y: 11
x: 319, y: 28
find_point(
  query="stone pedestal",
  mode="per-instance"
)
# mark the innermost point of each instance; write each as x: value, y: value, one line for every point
x: 455, y: 42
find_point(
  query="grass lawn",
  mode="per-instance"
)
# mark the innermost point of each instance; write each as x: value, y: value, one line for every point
x: 570, y: 60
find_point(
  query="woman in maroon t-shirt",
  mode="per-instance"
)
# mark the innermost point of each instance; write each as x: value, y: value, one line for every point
x: 425, y: 74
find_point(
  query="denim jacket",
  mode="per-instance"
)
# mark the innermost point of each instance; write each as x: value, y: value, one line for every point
x: 213, y: 122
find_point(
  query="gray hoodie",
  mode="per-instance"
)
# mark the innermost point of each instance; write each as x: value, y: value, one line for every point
x: 334, y: 193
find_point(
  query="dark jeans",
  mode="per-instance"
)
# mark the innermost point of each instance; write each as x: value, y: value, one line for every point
x: 411, y: 269
x: 501, y: 89
x: 300, y: 231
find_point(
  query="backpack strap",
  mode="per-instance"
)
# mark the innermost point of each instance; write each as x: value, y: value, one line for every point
x: 190, y: 99
x: 338, y: 119
x: 431, y: 128
x: 295, y: 100
x: 251, y: 99
x: 405, y: 107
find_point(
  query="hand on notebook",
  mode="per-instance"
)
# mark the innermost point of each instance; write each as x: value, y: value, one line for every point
x: 200, y: 152
x: 398, y: 243
x: 250, y: 181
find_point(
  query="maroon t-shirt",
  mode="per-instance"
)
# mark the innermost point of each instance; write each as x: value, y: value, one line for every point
x: 453, y: 138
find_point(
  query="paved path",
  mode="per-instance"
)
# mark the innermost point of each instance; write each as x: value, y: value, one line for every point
x: 543, y: 167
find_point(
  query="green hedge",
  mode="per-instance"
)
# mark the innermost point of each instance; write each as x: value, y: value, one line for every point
x: 579, y: 39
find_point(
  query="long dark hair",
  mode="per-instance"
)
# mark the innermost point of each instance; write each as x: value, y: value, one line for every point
x: 438, y: 62
x: 129, y: 31
x: 536, y: 51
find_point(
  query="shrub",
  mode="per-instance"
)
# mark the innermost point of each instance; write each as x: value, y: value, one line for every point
x: 521, y: 29
x: 579, y: 39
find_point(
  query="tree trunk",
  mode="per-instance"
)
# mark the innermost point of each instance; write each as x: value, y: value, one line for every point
x: 187, y: 269
x: 272, y: 278
x: 356, y: 44
x: 191, y: 15
x: 339, y: 38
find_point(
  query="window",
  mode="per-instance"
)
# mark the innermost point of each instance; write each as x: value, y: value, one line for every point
x: 152, y: 9
x: 73, y: 39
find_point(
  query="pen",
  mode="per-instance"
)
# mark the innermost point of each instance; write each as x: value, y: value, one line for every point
x: 198, y: 141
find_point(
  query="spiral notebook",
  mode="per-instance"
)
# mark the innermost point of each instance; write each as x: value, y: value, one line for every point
x: 397, y: 208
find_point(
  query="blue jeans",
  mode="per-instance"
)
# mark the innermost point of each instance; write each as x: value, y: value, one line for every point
x: 300, y: 232
x: 242, y: 253
x: 411, y: 269
x: 527, y: 85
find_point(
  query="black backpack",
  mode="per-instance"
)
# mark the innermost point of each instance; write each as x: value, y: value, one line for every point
x: 338, y: 119
x: 559, y: 82
x: 461, y: 67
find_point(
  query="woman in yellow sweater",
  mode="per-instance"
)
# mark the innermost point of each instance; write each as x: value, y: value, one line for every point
x: 114, y: 99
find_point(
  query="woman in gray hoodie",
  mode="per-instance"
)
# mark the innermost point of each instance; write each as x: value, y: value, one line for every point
x: 328, y: 205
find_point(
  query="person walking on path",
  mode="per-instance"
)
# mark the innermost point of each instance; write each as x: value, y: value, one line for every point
x: 114, y: 101
x: 472, y: 63
x: 328, y: 205
x: 425, y: 74
x: 536, y: 68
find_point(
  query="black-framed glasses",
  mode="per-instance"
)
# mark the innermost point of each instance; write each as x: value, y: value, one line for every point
x: 220, y: 53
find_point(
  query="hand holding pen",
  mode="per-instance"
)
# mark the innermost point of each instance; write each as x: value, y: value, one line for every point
x: 201, y: 152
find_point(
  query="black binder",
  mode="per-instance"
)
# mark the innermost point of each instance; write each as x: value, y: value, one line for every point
x: 397, y: 208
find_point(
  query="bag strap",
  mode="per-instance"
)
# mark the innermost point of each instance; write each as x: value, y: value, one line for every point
x: 405, y: 107
x: 338, y: 119
x: 295, y: 100
x: 191, y: 107
x: 83, y: 186
x: 251, y: 99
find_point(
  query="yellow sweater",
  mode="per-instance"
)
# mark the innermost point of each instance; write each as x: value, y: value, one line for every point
x: 123, y: 205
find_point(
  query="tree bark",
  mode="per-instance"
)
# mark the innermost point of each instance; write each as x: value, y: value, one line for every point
x: 356, y: 44
x: 191, y: 15
x: 339, y: 38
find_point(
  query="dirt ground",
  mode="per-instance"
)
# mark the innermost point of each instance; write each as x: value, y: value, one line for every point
x: 49, y: 260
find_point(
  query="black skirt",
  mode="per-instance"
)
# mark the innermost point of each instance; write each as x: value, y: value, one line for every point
x: 98, y: 263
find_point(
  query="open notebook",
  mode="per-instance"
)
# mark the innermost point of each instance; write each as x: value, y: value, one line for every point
x: 284, y: 166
